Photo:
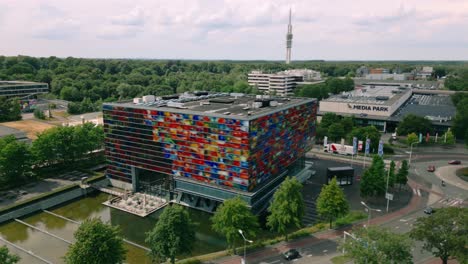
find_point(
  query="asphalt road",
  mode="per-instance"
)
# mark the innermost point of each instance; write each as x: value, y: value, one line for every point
x: 431, y: 193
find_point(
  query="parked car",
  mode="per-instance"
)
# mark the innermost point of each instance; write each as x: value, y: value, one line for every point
x: 431, y: 168
x: 429, y: 210
x: 454, y: 162
x: 291, y: 254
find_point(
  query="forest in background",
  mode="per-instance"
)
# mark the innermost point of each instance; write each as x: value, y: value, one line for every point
x: 86, y: 83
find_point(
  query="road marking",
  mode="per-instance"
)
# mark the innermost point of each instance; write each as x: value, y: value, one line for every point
x: 414, y: 191
x: 396, y: 227
x: 419, y: 193
x: 325, y: 251
x: 310, y: 255
x: 406, y: 220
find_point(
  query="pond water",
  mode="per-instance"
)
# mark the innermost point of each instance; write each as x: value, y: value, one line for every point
x: 133, y: 229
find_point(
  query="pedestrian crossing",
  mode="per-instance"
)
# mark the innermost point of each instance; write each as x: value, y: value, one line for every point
x: 451, y: 202
x: 416, y: 191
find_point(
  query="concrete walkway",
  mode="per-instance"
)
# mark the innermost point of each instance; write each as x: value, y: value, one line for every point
x: 449, y: 175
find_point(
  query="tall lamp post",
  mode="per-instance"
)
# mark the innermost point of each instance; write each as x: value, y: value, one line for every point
x: 369, y: 212
x: 244, y: 261
x: 411, y: 152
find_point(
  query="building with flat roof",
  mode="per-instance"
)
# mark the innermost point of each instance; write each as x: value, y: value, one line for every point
x: 384, y: 105
x: 22, y: 89
x: 204, y: 148
x: 281, y: 83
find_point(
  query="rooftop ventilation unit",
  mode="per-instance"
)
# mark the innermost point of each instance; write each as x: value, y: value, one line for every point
x: 137, y: 100
x: 200, y: 93
x: 236, y: 94
x: 148, y: 98
x: 169, y: 97
x: 176, y: 104
x: 381, y: 98
x: 226, y: 113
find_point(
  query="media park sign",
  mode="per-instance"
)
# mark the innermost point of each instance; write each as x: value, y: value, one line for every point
x: 369, y: 108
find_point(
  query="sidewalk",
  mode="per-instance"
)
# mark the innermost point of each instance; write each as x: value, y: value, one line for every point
x: 414, y: 204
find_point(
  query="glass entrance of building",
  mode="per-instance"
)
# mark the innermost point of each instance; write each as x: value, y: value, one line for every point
x: 153, y: 183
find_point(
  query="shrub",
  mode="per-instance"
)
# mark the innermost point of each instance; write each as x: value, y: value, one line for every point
x: 387, y: 149
x: 190, y: 261
x: 350, y: 218
x: 39, y: 114
x: 299, y: 233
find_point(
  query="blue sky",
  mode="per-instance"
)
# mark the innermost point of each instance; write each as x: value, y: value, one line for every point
x: 236, y: 29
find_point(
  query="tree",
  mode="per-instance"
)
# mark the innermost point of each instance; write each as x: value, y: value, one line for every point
x: 460, y: 122
x: 173, y: 234
x: 232, y: 215
x: 10, y: 109
x: 402, y: 175
x: 444, y: 233
x: 412, y: 138
x: 414, y: 124
x: 449, y: 138
x: 377, y: 245
x: 332, y: 202
x: 287, y: 208
x: 6, y: 257
x: 336, y: 131
x: 328, y: 119
x: 96, y: 243
x: 373, y: 182
x: 367, y: 132
x: 15, y: 161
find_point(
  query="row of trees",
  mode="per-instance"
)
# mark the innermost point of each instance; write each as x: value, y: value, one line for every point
x: 374, y: 179
x: 336, y: 127
x: 58, y: 145
x: 460, y: 122
x: 443, y: 234
x: 322, y: 90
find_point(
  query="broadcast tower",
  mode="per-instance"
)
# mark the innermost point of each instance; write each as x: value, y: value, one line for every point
x: 289, y: 37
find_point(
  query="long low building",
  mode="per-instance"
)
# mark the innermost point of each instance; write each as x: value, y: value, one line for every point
x: 385, y: 105
x: 22, y: 89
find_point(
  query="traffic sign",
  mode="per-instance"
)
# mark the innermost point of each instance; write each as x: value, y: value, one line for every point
x: 389, y: 196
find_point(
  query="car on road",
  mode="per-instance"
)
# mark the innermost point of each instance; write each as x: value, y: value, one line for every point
x: 454, y: 162
x: 429, y: 210
x: 291, y: 254
x: 431, y: 168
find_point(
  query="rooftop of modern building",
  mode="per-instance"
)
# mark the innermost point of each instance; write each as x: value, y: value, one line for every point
x: 437, y: 108
x: 18, y: 83
x: 233, y: 105
x: 419, y: 84
x: 380, y: 95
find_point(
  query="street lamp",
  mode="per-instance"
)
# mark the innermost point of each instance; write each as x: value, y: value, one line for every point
x: 411, y: 152
x: 244, y: 261
x: 369, y: 212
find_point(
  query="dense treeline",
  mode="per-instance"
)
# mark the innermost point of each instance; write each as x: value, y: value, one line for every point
x: 75, y: 79
x: 322, y: 90
x: 54, y: 147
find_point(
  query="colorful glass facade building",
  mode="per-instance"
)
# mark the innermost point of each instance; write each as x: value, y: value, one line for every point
x: 210, y: 146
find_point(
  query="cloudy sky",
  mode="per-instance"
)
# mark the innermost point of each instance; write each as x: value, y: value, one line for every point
x: 236, y: 29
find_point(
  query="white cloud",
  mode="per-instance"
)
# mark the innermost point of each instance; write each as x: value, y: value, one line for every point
x: 59, y: 29
x: 236, y: 29
x: 135, y: 17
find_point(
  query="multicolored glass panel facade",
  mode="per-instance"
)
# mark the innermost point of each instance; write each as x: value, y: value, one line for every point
x: 238, y: 153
